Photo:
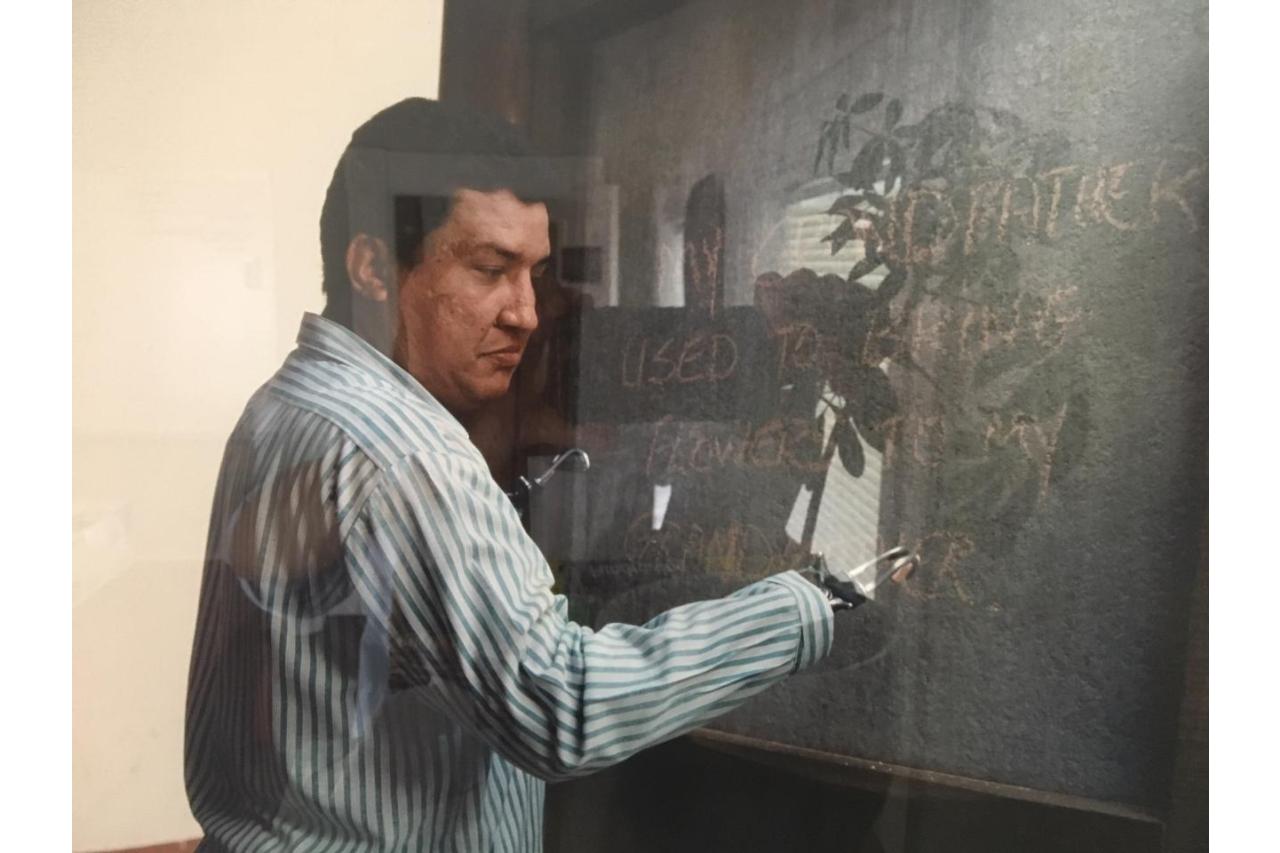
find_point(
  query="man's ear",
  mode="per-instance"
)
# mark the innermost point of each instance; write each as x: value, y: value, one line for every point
x: 370, y: 267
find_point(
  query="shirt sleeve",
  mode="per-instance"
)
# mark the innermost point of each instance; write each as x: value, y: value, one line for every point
x: 439, y: 552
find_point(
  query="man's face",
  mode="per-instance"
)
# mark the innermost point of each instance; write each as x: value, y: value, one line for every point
x: 468, y: 309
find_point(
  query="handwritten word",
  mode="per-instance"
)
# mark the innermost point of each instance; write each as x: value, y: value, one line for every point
x: 799, y: 345
x: 941, y: 553
x: 925, y: 438
x: 1037, y: 440
x: 702, y: 269
x: 790, y: 443
x: 734, y: 548
x: 698, y: 357
x: 927, y: 225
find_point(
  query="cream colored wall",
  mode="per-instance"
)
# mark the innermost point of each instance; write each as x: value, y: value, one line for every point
x: 204, y: 135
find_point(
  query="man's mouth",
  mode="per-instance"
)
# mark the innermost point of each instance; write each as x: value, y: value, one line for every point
x: 506, y: 357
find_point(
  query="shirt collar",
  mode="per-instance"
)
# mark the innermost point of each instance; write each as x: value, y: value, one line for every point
x: 337, y: 342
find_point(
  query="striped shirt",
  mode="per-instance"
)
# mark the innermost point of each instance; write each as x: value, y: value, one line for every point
x: 379, y: 660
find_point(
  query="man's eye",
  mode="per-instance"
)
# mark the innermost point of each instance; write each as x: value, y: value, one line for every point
x: 491, y: 272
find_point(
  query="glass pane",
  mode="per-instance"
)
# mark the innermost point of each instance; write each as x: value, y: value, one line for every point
x: 695, y: 425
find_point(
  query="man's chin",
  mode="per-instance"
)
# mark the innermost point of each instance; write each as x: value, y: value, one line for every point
x: 493, y: 390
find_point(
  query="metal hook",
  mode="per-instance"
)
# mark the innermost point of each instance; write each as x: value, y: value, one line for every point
x: 896, y: 558
x: 539, y: 481
x: 562, y: 458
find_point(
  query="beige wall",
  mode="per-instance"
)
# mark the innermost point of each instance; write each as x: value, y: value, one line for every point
x: 204, y: 135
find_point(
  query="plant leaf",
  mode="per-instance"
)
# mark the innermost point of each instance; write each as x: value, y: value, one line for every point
x: 892, y: 114
x: 843, y: 234
x: 872, y: 404
x: 866, y: 166
x: 892, y: 284
x: 863, y: 267
x: 847, y: 205
x: 866, y: 102
x: 930, y: 144
x: 851, y: 454
x: 897, y: 165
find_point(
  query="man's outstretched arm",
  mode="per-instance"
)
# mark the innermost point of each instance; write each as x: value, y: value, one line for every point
x: 438, y: 542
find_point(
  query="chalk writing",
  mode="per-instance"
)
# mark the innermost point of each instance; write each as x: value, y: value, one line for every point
x: 704, y: 246
x: 703, y: 274
x: 699, y: 357
x: 931, y: 224
x: 798, y: 347
x: 640, y: 364
x: 942, y: 552
x: 1036, y: 438
x: 733, y: 548
x: 779, y: 443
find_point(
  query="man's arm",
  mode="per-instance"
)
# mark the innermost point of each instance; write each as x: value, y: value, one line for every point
x: 438, y: 542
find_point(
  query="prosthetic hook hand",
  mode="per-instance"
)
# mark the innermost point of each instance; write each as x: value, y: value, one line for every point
x: 575, y: 459
x: 846, y: 590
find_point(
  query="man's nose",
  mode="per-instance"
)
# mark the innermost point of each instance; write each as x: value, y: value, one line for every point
x: 522, y: 312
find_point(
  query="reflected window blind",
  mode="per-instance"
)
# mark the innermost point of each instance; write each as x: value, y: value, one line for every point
x: 849, y: 514
x: 806, y: 223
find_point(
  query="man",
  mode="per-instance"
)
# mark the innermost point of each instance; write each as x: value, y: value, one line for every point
x: 379, y: 661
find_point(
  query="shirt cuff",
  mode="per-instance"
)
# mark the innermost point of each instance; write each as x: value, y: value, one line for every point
x: 817, y: 622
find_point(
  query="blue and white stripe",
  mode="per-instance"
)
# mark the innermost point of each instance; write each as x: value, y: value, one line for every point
x: 379, y: 661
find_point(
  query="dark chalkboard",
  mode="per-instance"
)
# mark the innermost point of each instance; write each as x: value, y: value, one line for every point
x: 1006, y: 372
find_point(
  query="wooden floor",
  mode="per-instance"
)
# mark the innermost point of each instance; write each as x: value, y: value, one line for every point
x: 171, y: 847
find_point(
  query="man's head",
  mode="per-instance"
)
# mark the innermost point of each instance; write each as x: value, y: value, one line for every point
x: 452, y: 290
x: 466, y: 308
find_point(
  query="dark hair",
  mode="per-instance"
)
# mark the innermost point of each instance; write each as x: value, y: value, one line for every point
x: 413, y: 125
